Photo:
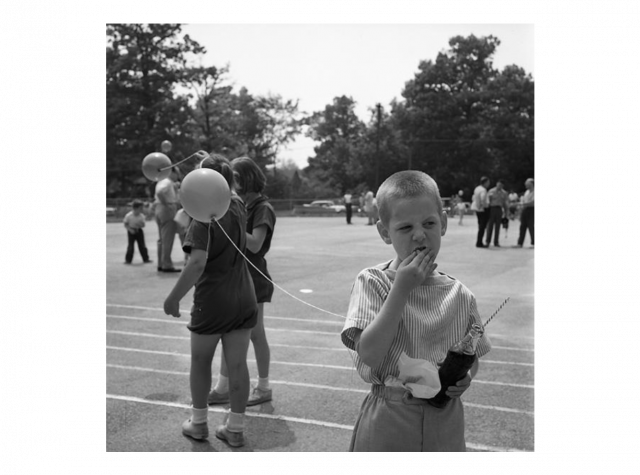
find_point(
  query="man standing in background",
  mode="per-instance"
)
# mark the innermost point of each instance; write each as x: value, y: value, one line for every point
x: 347, y: 205
x: 526, y: 216
x: 166, y: 206
x: 497, y: 209
x: 479, y: 204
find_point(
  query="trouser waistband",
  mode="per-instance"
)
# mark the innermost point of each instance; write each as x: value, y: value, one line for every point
x: 396, y: 394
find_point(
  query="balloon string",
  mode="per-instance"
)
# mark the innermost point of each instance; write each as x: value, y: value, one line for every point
x: 283, y: 290
x: 199, y: 153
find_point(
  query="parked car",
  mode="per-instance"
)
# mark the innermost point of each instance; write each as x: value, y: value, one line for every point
x: 111, y: 211
x: 326, y: 204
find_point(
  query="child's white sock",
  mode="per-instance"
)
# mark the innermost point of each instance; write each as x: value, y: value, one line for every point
x: 263, y: 383
x: 235, y: 423
x: 222, y: 386
x: 199, y: 416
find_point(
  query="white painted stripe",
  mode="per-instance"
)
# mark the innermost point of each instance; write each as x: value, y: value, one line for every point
x: 506, y: 362
x: 279, y: 345
x: 510, y: 348
x: 184, y: 323
x: 271, y: 381
x: 148, y: 370
x: 303, y: 320
x: 306, y: 385
x: 172, y: 337
x: 497, y: 408
x: 490, y: 448
x: 312, y: 332
x: 224, y: 410
x: 250, y: 413
x: 148, y: 335
x: 496, y: 383
x: 287, y: 363
x: 509, y: 337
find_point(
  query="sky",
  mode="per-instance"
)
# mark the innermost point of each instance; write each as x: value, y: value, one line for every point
x: 368, y: 62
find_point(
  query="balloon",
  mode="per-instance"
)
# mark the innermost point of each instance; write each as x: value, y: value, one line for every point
x: 205, y: 195
x: 165, y: 146
x: 152, y: 164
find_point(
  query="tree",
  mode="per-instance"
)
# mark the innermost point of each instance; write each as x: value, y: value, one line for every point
x: 144, y: 62
x: 462, y: 118
x: 239, y: 124
x: 339, y: 132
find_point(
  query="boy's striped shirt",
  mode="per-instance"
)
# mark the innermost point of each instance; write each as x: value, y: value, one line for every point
x: 438, y: 314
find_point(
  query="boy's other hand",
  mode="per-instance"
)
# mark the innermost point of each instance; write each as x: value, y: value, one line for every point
x: 460, y: 387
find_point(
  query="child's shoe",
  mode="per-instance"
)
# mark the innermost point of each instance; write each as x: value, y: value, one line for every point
x: 258, y: 396
x: 195, y: 431
x: 234, y: 439
x: 217, y: 398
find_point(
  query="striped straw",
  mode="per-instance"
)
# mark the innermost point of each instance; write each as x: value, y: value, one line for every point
x: 496, y: 312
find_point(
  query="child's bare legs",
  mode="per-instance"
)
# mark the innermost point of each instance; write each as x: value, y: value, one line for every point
x: 235, y: 346
x: 260, y: 344
x: 262, y: 351
x: 203, y: 348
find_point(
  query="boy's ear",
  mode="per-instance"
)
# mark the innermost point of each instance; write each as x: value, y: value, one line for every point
x: 443, y: 220
x: 384, y: 232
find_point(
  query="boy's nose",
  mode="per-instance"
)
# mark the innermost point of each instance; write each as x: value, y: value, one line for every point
x: 419, y: 236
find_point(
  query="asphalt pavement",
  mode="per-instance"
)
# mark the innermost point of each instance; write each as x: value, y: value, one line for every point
x: 316, y: 391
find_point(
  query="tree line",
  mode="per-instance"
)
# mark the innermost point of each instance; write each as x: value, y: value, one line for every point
x: 459, y: 118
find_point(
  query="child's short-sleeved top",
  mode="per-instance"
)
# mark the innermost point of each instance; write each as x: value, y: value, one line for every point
x: 261, y: 213
x: 438, y: 314
x: 224, y: 298
x: 133, y: 221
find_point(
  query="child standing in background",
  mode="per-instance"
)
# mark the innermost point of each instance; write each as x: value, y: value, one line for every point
x: 134, y: 222
x: 401, y: 310
x: 261, y: 222
x: 224, y: 308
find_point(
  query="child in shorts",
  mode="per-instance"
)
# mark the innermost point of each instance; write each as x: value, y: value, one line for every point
x: 224, y: 308
x: 403, y: 308
x: 261, y: 222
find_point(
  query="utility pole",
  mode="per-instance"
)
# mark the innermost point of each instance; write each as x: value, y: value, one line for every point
x: 377, y: 183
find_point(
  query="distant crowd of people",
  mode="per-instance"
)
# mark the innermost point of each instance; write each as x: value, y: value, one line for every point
x: 495, y: 207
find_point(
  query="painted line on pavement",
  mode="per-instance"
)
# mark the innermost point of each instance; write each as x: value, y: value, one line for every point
x: 318, y: 386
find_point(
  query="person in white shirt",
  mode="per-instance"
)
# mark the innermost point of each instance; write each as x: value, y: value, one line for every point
x: 480, y: 204
x: 166, y: 207
x: 348, y: 206
x: 134, y: 222
x: 368, y: 207
x: 526, y: 216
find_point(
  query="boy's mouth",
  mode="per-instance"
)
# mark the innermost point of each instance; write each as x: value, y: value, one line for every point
x: 419, y: 249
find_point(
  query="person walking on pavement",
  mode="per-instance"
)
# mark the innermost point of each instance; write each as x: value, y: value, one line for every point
x: 479, y: 204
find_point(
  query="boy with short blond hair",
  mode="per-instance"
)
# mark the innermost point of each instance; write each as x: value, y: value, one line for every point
x: 403, y: 312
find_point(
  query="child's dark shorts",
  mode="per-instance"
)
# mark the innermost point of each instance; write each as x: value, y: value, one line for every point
x: 210, y: 321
